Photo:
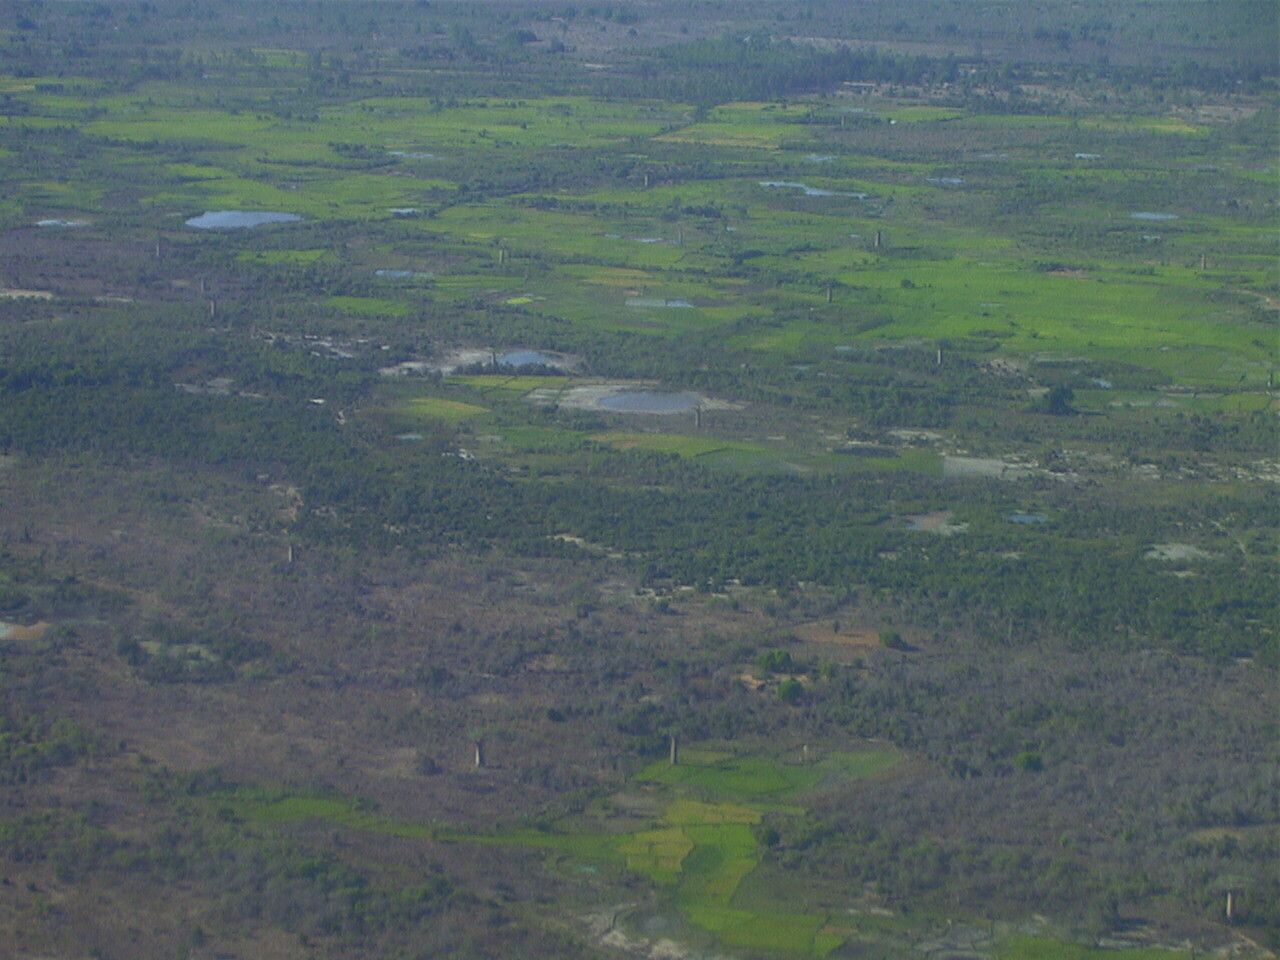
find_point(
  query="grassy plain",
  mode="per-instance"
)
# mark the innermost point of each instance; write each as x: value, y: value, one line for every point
x: 440, y: 408
x: 951, y: 264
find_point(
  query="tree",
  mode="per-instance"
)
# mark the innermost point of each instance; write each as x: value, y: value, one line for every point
x: 1058, y: 401
x: 892, y: 639
x: 790, y: 690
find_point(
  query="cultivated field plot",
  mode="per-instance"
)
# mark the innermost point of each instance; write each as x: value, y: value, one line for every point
x: 1042, y: 235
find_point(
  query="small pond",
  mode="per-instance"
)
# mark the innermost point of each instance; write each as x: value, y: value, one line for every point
x: 1144, y: 215
x: 810, y: 191
x: 527, y: 358
x: 404, y: 275
x: 412, y: 155
x: 1027, y: 519
x: 657, y: 302
x: 239, y: 219
x: 648, y: 401
x: 62, y: 223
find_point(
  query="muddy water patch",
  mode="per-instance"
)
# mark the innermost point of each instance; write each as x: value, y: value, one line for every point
x: 649, y: 401
x: 658, y: 302
x: 240, y: 219
x: 403, y: 275
x: 630, y: 398
x: 468, y: 359
x: 809, y: 191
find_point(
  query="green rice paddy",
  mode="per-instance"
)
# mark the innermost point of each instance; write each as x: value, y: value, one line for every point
x: 700, y: 850
x: 705, y: 846
x: 968, y: 272
x: 441, y: 409
x: 499, y: 385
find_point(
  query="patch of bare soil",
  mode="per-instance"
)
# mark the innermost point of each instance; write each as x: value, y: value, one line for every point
x: 13, y: 293
x: 1177, y: 551
x: 937, y: 521
x: 14, y: 631
x: 603, y: 927
x: 953, y: 466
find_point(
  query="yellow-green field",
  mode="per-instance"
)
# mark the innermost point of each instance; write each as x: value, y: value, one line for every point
x: 441, y: 409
